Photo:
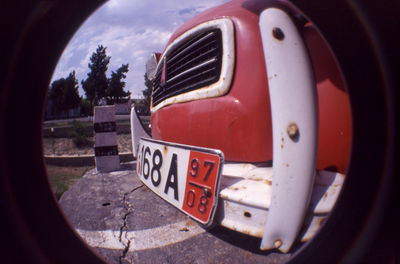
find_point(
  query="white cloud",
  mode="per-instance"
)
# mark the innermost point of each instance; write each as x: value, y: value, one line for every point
x: 131, y: 30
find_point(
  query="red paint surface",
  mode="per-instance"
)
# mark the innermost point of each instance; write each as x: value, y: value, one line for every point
x: 334, y: 107
x: 239, y: 123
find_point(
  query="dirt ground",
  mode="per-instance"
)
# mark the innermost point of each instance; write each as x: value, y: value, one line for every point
x: 65, y: 146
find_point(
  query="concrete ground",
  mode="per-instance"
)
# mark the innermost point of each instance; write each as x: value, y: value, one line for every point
x: 126, y: 223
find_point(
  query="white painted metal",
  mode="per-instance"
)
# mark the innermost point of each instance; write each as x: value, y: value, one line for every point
x: 326, y: 191
x: 245, y: 219
x: 246, y: 194
x: 228, y: 62
x: 252, y: 188
x: 294, y: 126
x: 137, y: 131
x: 167, y: 152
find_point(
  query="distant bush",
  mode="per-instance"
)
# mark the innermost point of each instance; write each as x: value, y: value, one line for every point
x: 78, y: 135
x: 86, y: 108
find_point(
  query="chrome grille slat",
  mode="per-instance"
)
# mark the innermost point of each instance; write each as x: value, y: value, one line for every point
x: 192, y: 69
x: 204, y: 54
x: 192, y: 64
x: 156, y: 81
x: 175, y: 54
x: 172, y: 91
x: 193, y: 77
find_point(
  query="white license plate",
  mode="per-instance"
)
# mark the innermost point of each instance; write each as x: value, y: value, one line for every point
x: 185, y: 176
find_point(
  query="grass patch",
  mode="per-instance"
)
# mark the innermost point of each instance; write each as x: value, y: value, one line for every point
x: 78, y: 135
x: 62, y: 178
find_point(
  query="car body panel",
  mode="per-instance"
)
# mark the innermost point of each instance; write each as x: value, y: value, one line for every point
x: 239, y: 123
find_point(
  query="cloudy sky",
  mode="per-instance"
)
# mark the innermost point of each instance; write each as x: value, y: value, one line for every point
x: 131, y: 30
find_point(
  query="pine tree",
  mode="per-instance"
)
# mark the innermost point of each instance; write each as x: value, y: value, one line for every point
x: 115, y: 91
x: 96, y: 84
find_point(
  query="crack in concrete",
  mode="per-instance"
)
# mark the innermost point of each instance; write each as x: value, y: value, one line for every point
x: 123, y: 231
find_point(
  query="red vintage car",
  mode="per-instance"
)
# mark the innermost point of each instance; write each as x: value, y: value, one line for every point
x: 249, y: 95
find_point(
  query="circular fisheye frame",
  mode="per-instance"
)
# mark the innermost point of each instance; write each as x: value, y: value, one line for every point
x: 362, y: 222
x: 363, y: 216
x: 33, y: 37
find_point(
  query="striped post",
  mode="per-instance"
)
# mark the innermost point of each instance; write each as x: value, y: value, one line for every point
x: 105, y: 148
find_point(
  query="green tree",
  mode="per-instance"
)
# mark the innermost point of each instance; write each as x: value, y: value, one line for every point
x: 95, y: 85
x: 55, y: 96
x: 85, y: 107
x: 64, y: 94
x: 71, y: 98
x: 147, y: 94
x: 116, y: 85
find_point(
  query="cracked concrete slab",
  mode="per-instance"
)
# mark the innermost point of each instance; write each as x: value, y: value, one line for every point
x: 124, y: 222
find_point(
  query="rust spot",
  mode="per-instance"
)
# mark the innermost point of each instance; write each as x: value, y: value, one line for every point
x: 233, y: 228
x: 256, y: 179
x: 255, y: 233
x: 268, y: 182
x: 283, y: 139
x: 223, y: 196
x: 165, y: 150
x: 321, y: 221
x: 185, y: 229
x: 287, y: 164
x: 325, y: 195
x: 281, y: 146
x: 258, y: 234
x: 233, y: 188
x: 293, y: 132
x: 246, y: 214
x: 278, y: 243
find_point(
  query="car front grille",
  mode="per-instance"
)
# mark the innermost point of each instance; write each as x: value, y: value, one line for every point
x: 192, y: 64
